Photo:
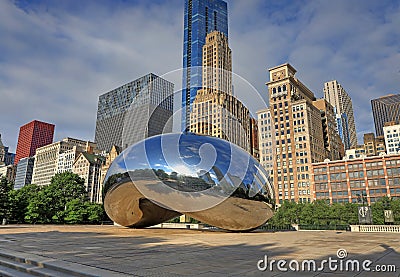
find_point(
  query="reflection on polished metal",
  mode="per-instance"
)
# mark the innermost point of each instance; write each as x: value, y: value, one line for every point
x: 209, y: 179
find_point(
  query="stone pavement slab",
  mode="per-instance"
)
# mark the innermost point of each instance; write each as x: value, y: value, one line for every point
x: 172, y: 252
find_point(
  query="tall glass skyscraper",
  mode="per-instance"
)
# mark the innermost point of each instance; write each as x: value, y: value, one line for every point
x: 385, y: 109
x: 337, y: 96
x: 134, y: 111
x: 201, y: 18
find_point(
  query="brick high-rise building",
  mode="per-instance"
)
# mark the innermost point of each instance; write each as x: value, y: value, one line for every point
x: 385, y: 109
x: 31, y: 136
x: 298, y: 134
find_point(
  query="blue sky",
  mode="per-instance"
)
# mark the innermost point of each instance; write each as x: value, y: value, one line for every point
x: 57, y: 57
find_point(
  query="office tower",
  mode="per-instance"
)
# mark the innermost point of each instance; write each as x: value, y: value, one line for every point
x: 335, y: 94
x: 265, y: 140
x: 134, y: 111
x: 24, y: 172
x: 216, y: 112
x: 49, y: 159
x: 88, y: 166
x: 217, y: 63
x: 298, y: 134
x: 342, y: 181
x: 392, y: 137
x: 201, y: 17
x: 385, y: 109
x: 31, y: 136
x: 332, y: 141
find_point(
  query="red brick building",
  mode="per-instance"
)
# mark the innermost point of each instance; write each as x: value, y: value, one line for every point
x: 33, y: 135
x: 345, y: 180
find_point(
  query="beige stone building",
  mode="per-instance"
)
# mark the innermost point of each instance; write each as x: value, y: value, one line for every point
x: 217, y: 63
x: 215, y: 111
x: 374, y: 146
x: 110, y: 157
x: 57, y: 157
x: 88, y: 166
x: 221, y: 115
x: 9, y: 172
x: 298, y: 134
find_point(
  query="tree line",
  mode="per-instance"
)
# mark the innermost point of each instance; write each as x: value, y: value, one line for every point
x: 64, y: 200
x: 322, y: 213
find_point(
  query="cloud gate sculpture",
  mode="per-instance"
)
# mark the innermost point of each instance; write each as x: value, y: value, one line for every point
x: 206, y: 178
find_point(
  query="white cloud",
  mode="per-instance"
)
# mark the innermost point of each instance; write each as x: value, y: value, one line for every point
x: 58, y: 57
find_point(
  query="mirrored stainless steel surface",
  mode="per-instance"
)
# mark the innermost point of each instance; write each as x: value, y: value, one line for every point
x: 207, y: 178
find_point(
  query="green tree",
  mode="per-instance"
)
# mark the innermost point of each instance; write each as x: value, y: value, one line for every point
x: 95, y: 213
x: 19, y: 201
x: 5, y: 188
x: 50, y: 203
x: 83, y: 212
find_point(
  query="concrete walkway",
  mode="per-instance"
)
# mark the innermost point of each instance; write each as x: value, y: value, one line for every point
x: 118, y: 251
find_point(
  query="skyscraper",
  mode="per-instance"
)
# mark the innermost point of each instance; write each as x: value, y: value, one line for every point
x: 33, y: 135
x: 335, y: 94
x: 216, y: 112
x: 24, y: 172
x: 201, y: 17
x: 385, y: 109
x: 134, y: 111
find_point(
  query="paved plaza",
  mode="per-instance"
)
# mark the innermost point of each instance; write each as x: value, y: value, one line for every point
x: 118, y: 251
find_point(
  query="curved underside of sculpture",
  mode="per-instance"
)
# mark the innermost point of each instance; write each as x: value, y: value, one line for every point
x: 206, y: 178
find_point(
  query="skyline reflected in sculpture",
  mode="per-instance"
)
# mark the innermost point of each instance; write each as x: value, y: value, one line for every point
x: 209, y: 179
